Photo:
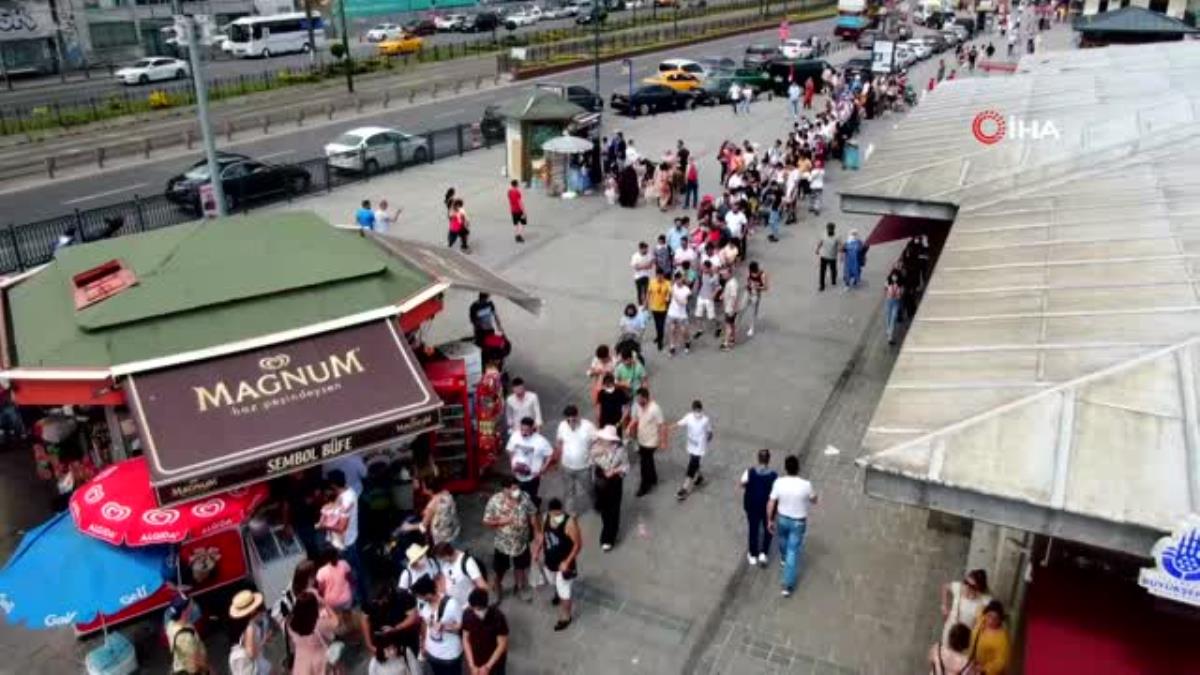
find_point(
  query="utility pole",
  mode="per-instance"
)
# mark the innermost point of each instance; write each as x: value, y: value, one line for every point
x: 210, y: 146
x: 312, y: 38
x: 596, y: 149
x: 349, y: 60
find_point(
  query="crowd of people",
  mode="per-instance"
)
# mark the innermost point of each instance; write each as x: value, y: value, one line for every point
x: 974, y: 638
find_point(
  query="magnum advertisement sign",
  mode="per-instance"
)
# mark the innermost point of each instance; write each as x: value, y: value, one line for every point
x: 212, y: 425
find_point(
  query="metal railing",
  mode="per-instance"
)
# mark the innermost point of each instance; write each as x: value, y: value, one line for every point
x: 31, y: 244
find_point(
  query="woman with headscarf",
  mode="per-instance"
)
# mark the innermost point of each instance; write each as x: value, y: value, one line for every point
x: 852, y: 259
x: 628, y: 189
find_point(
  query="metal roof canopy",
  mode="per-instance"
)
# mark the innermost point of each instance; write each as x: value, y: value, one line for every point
x: 1048, y: 381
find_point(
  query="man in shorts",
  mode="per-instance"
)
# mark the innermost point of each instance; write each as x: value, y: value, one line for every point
x: 516, y: 207
x: 731, y: 302
x: 677, y: 315
x: 511, y: 513
x: 706, y: 303
x: 560, y: 548
x: 699, y: 433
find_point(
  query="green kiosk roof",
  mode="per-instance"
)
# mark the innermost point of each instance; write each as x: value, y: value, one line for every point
x: 202, y: 285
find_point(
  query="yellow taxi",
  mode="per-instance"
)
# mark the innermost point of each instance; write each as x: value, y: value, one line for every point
x: 405, y: 44
x: 676, y: 79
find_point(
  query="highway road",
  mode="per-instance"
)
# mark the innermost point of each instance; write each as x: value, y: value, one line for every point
x: 27, y: 94
x: 54, y: 198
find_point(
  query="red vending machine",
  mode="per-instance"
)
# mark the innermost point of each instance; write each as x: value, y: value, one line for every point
x: 455, y: 447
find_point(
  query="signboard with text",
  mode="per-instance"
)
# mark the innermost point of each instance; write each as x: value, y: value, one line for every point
x: 883, y: 56
x: 213, y: 425
x: 1176, y: 571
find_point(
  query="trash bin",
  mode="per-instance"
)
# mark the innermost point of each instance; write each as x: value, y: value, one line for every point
x: 850, y: 156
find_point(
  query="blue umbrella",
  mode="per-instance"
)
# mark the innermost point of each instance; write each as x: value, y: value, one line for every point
x: 59, y: 577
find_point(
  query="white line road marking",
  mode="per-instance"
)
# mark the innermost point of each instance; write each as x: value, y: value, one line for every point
x: 831, y: 451
x: 448, y: 113
x: 107, y: 193
x: 281, y: 153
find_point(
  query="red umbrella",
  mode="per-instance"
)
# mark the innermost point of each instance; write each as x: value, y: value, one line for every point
x: 118, y: 506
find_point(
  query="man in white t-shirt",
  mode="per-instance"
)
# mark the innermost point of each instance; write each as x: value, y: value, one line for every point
x: 459, y: 571
x: 572, y: 449
x: 642, y: 263
x: 343, y: 530
x: 441, y: 627
x: 522, y: 403
x: 530, y: 454
x: 787, y: 519
x: 736, y: 223
x: 699, y: 433
x: 677, y: 315
x: 384, y: 219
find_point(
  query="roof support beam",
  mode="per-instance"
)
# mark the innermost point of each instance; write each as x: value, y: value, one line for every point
x: 1062, y: 449
x: 1191, y: 424
x: 891, y: 206
x: 1129, y: 538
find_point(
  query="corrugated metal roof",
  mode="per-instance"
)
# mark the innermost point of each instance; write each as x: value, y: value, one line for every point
x: 1131, y: 20
x: 1052, y: 361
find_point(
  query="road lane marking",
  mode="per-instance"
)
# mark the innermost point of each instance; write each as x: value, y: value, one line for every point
x: 448, y: 113
x: 107, y: 193
x: 281, y: 153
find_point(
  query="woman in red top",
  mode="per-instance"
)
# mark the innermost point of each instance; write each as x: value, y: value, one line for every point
x: 809, y: 90
x: 458, y: 226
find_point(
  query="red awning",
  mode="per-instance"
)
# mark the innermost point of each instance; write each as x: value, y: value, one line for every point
x: 892, y: 228
x: 1100, y: 623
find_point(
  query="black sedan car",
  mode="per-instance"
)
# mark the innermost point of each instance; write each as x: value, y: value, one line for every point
x: 481, y: 22
x: 420, y: 27
x: 653, y: 98
x: 243, y: 180
x: 784, y: 71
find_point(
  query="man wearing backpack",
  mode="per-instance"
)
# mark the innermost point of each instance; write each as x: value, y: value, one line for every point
x: 188, y: 654
x: 460, y: 572
x: 441, y: 628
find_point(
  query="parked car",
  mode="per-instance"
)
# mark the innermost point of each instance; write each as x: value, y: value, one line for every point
x: 450, y: 22
x: 651, y: 98
x: 590, y: 14
x: 716, y: 87
x: 952, y: 37
x: 713, y: 64
x: 420, y: 27
x: 369, y: 149
x: 919, y: 48
x: 403, y: 44
x: 675, y: 79
x: 795, y: 49
x: 527, y: 16
x: 866, y: 39
x: 481, y: 22
x: 959, y: 30
x: 757, y: 56
x: 859, y: 64
x: 903, y: 56
x: 153, y: 69
x: 384, y: 31
x: 243, y: 180
x: 560, y: 12
x: 967, y: 23
x: 581, y: 96
x: 904, y: 32
x: 935, y: 42
x: 781, y: 70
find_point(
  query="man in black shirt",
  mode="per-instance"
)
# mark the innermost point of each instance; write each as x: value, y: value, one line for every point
x: 484, y: 318
x: 485, y: 635
x: 613, y: 404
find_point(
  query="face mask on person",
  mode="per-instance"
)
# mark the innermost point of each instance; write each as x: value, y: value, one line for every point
x: 480, y: 612
x: 557, y: 520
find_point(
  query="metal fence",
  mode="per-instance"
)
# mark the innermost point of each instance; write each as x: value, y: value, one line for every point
x: 31, y: 244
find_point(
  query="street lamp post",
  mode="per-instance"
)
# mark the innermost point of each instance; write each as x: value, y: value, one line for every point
x: 349, y: 60
x: 312, y: 39
x: 206, y: 135
x: 596, y: 169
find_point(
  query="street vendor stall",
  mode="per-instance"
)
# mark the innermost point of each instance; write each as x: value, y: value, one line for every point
x: 234, y: 352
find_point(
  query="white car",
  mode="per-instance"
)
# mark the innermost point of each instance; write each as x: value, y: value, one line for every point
x: 449, y: 22
x: 919, y: 48
x: 384, y: 31
x: 560, y: 12
x: 369, y: 149
x: 153, y: 69
x: 904, y: 56
x: 796, y: 49
x: 526, y: 16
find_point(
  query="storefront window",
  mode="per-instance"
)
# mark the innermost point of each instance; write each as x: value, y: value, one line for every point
x: 113, y: 34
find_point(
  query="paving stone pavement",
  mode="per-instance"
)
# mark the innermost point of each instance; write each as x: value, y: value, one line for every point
x: 676, y: 594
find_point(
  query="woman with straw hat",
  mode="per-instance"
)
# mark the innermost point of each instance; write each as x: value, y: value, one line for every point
x: 251, y: 629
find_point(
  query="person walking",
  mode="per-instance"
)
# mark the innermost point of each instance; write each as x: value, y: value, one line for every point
x: 951, y: 657
x: 787, y: 518
x: 384, y: 218
x: 747, y: 99
x: 485, y: 636
x: 691, y: 186
x: 251, y: 625
x: 513, y: 515
x: 459, y: 230
x: 816, y: 186
x: 756, y: 483
x: 561, y: 544
x: 735, y: 96
x: 188, y: 654
x: 643, y: 266
x: 629, y: 374
x: 658, y: 299
x: 572, y: 443
x: 698, y: 429
x: 809, y: 91
x: 706, y: 301
x: 647, y: 428
x: 756, y: 285
x: 335, y: 583
x: 531, y: 456
x: 793, y: 94
x: 610, y: 464
x: 612, y: 405
x: 602, y: 364
x: 731, y: 303
x: 677, y: 316
x: 827, y: 252
x: 364, y: 216
x: 893, y: 294
x: 852, y: 258
x: 441, y: 628
x: 941, y: 71
x: 522, y: 403
x: 516, y: 208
